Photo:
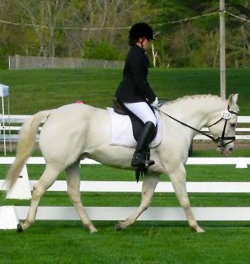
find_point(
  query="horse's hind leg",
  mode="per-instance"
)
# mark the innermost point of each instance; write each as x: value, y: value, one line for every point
x: 73, y: 185
x: 148, y: 188
x: 47, y: 179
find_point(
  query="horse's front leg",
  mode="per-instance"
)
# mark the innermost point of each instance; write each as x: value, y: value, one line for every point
x: 178, y: 178
x: 148, y: 187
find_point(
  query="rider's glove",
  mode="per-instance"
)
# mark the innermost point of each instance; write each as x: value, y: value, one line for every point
x: 155, y: 103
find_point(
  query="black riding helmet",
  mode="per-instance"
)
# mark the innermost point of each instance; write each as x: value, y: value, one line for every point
x: 140, y: 30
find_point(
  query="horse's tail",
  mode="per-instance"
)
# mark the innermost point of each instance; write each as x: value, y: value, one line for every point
x: 26, y: 145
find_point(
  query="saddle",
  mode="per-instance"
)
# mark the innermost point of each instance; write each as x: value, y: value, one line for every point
x: 137, y: 124
x: 120, y: 121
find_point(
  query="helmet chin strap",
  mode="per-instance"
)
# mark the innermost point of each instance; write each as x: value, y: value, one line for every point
x: 142, y: 41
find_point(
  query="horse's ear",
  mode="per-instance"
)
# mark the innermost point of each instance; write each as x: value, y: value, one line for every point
x: 233, y: 99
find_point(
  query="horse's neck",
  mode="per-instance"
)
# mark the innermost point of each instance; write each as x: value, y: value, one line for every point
x: 195, y: 112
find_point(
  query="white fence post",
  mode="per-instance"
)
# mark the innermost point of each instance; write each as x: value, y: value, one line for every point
x: 21, y: 189
x: 8, y: 217
x: 241, y: 164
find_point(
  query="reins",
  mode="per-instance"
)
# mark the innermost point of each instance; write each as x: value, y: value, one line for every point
x: 216, y: 140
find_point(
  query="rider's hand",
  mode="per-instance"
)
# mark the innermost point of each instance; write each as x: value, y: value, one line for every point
x: 155, y: 103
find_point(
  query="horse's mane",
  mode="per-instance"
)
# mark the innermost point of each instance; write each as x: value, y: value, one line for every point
x: 192, y: 97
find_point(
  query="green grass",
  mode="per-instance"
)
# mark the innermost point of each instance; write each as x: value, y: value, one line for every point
x: 144, y: 242
x: 35, y: 90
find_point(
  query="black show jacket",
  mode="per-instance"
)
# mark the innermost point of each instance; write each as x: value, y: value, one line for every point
x: 134, y: 87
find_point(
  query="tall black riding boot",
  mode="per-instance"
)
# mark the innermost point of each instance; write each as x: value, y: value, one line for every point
x: 139, y: 157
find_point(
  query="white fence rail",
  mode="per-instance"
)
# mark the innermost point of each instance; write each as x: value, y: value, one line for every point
x: 154, y: 213
x: 241, y: 132
x: 29, y: 62
x: 162, y: 187
x: 13, y: 124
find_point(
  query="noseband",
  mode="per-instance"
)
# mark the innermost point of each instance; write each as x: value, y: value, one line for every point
x: 226, y: 115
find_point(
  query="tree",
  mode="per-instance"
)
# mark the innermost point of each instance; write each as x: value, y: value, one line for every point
x: 12, y: 36
x: 44, y: 16
x: 187, y: 31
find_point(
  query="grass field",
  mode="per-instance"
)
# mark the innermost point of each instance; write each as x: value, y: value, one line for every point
x: 35, y: 90
x: 144, y: 242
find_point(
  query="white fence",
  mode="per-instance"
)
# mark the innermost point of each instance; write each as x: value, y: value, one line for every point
x: 13, y: 124
x: 153, y: 213
x: 29, y: 62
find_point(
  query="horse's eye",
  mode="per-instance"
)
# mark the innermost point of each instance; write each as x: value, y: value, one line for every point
x: 233, y: 124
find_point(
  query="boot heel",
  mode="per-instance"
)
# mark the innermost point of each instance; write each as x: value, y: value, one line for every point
x: 149, y: 163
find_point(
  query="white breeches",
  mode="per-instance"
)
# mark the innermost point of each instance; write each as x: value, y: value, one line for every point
x: 142, y: 111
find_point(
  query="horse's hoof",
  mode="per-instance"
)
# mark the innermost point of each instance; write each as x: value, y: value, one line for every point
x: 200, y: 230
x: 93, y: 231
x: 19, y: 228
x: 118, y: 227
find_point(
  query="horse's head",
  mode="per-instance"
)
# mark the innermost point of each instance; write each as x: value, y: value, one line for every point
x: 222, y: 125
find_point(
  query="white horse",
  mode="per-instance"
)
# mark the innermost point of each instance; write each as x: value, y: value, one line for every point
x: 76, y: 131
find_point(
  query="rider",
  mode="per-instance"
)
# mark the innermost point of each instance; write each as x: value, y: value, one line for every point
x: 134, y: 91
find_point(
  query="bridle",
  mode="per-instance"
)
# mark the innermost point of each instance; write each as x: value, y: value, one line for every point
x: 226, y: 115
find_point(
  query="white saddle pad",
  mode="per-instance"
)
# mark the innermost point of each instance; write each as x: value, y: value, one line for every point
x: 121, y: 131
